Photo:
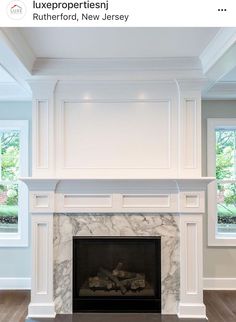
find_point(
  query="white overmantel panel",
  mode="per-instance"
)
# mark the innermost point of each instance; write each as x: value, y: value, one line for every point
x: 116, y: 129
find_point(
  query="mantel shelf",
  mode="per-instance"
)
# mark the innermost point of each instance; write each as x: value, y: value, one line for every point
x: 142, y: 184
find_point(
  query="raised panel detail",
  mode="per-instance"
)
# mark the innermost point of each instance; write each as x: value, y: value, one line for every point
x: 190, y: 133
x: 191, y: 258
x: 41, y: 258
x: 41, y: 201
x: 42, y: 138
x: 192, y: 201
x: 116, y: 135
x: 76, y: 200
x: 146, y: 201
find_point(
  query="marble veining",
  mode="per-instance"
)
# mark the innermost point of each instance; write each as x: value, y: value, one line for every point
x: 68, y: 225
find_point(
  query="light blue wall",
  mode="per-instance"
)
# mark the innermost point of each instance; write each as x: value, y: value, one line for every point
x: 15, y: 262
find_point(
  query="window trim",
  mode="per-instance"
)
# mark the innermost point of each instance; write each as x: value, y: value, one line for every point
x: 214, y: 238
x: 19, y: 239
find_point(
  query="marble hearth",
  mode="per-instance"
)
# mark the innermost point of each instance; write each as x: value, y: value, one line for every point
x: 100, y: 224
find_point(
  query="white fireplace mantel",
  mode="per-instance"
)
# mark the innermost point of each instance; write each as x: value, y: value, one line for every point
x: 123, y: 147
x: 64, y: 195
x: 181, y: 197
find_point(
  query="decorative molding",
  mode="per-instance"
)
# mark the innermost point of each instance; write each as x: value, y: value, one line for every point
x: 86, y: 201
x: 146, y: 201
x: 119, y: 68
x: 224, y: 39
x: 219, y: 283
x: 42, y: 202
x: 192, y: 311
x: 192, y: 201
x: 220, y: 91
x: 42, y: 134
x: 80, y: 196
x: 15, y: 283
x: 42, y: 267
x: 43, y: 127
x: 189, y: 132
x: 16, y: 56
x: 218, y: 58
x: 41, y: 310
x: 191, y: 267
x: 69, y: 158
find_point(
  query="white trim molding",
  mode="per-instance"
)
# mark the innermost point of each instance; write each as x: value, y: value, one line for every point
x: 219, y: 283
x: 15, y: 283
x: 191, y: 267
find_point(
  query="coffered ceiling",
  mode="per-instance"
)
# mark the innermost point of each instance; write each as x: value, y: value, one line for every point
x: 118, y: 42
x: 77, y: 52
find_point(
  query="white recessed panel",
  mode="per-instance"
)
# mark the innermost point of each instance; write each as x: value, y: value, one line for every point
x: 76, y: 200
x: 116, y: 135
x: 190, y: 132
x: 42, y: 134
x: 41, y: 200
x: 42, y: 253
x: 146, y: 201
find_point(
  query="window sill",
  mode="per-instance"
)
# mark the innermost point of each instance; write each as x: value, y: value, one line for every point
x: 13, y: 240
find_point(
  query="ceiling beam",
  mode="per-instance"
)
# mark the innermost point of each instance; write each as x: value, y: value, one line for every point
x: 16, y: 57
x: 219, y: 57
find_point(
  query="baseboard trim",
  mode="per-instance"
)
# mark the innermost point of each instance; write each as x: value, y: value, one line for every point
x: 192, y: 311
x: 15, y: 283
x: 219, y: 283
x: 41, y: 310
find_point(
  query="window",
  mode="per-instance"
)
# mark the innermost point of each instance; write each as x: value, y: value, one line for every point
x: 222, y: 192
x: 13, y: 193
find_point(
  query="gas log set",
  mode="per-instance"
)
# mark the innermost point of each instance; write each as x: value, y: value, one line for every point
x: 117, y: 280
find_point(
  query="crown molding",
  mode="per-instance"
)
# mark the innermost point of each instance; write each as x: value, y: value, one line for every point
x: 119, y: 69
x: 220, y: 91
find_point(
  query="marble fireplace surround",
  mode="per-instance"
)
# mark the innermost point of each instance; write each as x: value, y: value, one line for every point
x: 170, y: 208
x: 68, y: 225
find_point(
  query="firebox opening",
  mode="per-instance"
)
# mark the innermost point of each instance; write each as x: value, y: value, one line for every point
x: 116, y: 274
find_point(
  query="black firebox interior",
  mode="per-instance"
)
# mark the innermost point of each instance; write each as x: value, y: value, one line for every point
x: 120, y: 274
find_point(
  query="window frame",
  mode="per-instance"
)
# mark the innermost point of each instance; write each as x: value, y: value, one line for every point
x: 19, y: 239
x: 215, y: 238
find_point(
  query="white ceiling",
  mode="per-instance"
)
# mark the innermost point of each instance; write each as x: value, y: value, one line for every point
x: 117, y: 42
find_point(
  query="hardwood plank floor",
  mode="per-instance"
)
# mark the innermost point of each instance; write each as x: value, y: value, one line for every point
x: 13, y: 305
x: 221, y: 307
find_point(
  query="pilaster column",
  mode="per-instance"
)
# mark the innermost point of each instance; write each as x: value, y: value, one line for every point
x: 42, y: 209
x: 43, y: 145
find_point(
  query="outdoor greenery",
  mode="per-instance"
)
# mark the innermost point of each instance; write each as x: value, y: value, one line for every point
x: 225, y: 170
x: 9, y: 171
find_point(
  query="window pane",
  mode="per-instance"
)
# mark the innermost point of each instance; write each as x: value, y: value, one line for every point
x: 226, y: 207
x: 225, y: 154
x: 8, y: 208
x: 10, y: 155
x: 9, y: 172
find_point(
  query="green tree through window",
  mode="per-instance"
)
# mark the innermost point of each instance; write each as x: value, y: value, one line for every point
x: 9, y: 172
x: 226, y: 175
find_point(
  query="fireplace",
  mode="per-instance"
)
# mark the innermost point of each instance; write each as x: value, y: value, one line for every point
x: 116, y: 274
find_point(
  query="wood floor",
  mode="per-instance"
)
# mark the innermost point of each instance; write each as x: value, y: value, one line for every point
x: 221, y: 307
